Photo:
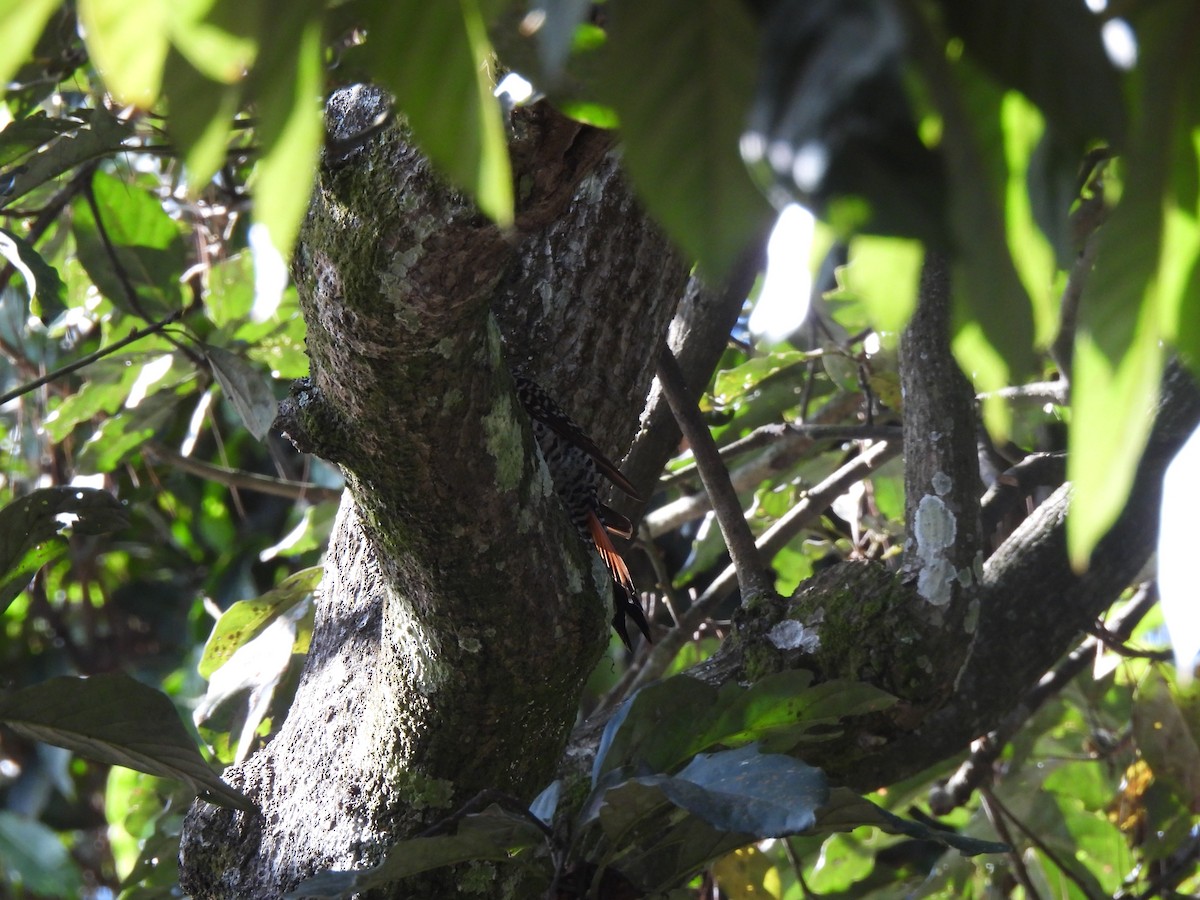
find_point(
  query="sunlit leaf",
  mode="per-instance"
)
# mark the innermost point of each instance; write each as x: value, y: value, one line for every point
x: 288, y: 88
x: 21, y: 24
x: 246, y: 619
x: 30, y: 521
x: 47, y: 294
x: 435, y: 58
x: 128, y: 41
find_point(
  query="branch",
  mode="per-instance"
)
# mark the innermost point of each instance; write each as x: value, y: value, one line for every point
x: 805, y: 512
x: 90, y: 358
x: 751, y: 573
x: 239, y: 479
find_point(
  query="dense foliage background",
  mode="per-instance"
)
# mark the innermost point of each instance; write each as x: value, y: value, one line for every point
x: 155, y: 525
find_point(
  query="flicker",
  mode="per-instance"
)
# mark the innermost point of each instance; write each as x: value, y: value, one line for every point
x: 575, y: 464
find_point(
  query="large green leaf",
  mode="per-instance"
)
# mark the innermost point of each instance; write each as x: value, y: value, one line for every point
x: 287, y: 85
x: 117, y: 720
x: 680, y: 76
x: 141, y: 273
x: 128, y: 41
x: 21, y: 24
x: 1143, y: 288
x: 435, y: 58
x: 34, y: 858
x: 667, y: 723
x: 1030, y: 44
x: 28, y: 523
x: 246, y: 619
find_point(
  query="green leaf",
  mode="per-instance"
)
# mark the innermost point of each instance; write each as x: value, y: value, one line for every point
x: 780, y: 709
x: 1168, y: 745
x: 667, y: 723
x: 845, y: 810
x: 1112, y: 404
x: 149, y: 250
x: 247, y: 389
x: 216, y: 36
x: 883, y: 274
x: 101, y: 136
x: 985, y: 281
x: 33, y: 858
x: 200, y: 118
x: 127, y: 40
x: 287, y: 84
x: 435, y: 58
x: 1029, y: 44
x: 119, y: 721
x: 21, y: 24
x: 246, y: 619
x: 28, y: 523
x: 47, y: 294
x: 1138, y: 294
x: 493, y: 834
x: 26, y: 136
x: 680, y: 77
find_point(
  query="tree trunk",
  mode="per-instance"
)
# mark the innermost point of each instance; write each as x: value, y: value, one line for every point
x: 460, y: 614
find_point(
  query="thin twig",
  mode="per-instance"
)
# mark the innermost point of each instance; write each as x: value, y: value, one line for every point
x: 90, y: 358
x: 777, y: 457
x: 1041, y: 845
x: 238, y: 479
x: 804, y: 513
x: 978, y: 766
x: 751, y: 573
x: 768, y: 434
x: 992, y: 809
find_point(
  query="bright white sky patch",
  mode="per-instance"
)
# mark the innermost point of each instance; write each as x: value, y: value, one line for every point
x: 783, y: 302
x: 1177, y: 583
x: 517, y: 88
x: 1120, y: 43
x: 270, y: 274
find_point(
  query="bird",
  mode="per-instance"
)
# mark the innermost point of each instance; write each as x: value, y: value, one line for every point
x: 575, y: 464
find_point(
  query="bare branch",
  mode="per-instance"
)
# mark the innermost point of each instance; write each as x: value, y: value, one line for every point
x: 751, y: 573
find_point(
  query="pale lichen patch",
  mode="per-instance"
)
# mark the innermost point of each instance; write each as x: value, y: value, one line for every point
x: 935, y: 529
x: 503, y: 440
x: 792, y: 635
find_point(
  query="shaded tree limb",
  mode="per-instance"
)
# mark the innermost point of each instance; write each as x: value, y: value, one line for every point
x: 747, y: 563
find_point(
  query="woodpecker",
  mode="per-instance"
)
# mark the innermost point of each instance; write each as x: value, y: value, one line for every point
x: 575, y: 464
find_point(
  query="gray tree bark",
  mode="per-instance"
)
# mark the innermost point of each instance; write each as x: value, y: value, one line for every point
x: 460, y: 615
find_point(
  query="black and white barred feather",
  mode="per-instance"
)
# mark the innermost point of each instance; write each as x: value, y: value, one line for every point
x: 575, y: 464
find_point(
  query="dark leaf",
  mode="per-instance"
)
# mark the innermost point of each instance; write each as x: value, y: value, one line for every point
x: 119, y: 721
x: 47, y: 294
x: 491, y: 835
x: 1029, y: 44
x: 103, y: 136
x: 680, y: 77
x: 845, y: 810
x: 248, y: 389
x: 28, y: 523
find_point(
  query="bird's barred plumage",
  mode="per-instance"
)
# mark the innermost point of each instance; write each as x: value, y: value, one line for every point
x: 575, y: 464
